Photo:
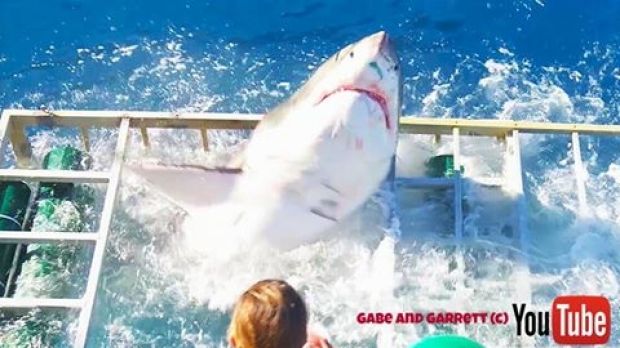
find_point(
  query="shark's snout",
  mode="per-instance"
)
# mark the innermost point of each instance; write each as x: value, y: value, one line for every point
x: 381, y: 40
x: 388, y: 49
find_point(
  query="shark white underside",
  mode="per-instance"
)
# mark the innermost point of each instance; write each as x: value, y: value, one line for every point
x: 309, y: 164
x: 287, y: 195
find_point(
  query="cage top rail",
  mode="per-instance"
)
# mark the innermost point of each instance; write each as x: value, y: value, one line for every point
x: 212, y: 120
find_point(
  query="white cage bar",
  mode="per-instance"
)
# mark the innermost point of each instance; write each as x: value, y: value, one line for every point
x: 14, y: 122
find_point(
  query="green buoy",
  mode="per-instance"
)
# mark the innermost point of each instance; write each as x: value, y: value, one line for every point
x: 52, y: 270
x: 447, y: 341
x: 441, y: 166
x: 60, y: 158
x: 14, y: 199
x: 44, y: 271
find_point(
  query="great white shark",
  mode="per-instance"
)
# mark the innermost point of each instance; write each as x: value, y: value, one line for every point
x: 309, y: 163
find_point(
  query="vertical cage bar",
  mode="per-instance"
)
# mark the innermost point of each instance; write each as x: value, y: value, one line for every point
x: 21, y: 146
x: 580, y: 174
x: 144, y: 132
x: 458, y: 184
x: 517, y: 186
x: 104, y: 229
x: 5, y: 119
x: 205, y: 138
x: 85, y: 138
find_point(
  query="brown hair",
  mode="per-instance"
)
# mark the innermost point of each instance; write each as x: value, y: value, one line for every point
x: 270, y: 314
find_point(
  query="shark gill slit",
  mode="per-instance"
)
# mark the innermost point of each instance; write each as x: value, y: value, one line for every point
x: 377, y: 68
x: 320, y: 213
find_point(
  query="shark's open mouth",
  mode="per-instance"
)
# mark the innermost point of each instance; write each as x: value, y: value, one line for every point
x: 374, y: 95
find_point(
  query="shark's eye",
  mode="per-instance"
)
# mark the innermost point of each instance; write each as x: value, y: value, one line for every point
x: 396, y: 67
x: 351, y: 54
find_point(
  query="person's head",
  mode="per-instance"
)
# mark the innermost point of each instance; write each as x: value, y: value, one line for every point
x: 270, y: 314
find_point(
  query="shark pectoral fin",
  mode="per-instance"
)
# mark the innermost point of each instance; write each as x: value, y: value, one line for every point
x: 189, y: 187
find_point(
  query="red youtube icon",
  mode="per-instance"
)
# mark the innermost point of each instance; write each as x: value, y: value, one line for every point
x: 581, y: 319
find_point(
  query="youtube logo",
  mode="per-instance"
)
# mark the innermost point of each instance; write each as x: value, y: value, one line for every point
x: 581, y: 320
x: 574, y: 320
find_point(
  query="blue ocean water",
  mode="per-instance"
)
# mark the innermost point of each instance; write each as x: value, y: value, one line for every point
x: 535, y: 60
x: 51, y: 48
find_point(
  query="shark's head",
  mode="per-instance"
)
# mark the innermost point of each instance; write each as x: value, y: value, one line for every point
x: 369, y: 66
